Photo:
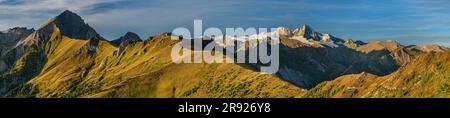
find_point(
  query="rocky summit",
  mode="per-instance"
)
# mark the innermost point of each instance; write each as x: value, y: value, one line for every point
x: 10, y: 37
x: 124, y: 41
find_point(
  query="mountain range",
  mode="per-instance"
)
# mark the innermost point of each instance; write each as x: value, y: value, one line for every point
x: 67, y: 58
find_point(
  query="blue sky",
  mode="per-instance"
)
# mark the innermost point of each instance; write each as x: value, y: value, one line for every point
x: 407, y: 21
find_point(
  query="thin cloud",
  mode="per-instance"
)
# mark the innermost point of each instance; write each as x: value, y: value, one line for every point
x: 31, y: 13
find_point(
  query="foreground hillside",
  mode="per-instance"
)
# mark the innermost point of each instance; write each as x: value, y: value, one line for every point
x: 67, y: 58
x: 143, y: 70
x: 427, y: 76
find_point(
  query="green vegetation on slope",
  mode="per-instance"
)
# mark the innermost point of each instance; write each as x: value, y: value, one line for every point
x: 427, y: 76
x: 80, y: 68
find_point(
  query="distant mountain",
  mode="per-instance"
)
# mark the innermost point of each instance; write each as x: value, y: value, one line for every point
x: 129, y: 37
x: 11, y: 36
x: 429, y: 48
x: 308, y: 32
x: 309, y: 57
x: 124, y: 41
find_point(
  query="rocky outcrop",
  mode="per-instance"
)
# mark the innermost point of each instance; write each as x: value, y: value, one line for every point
x: 10, y: 37
x: 125, y: 40
x: 308, y: 33
x: 128, y: 38
x: 73, y: 26
x: 433, y: 48
x: 284, y: 31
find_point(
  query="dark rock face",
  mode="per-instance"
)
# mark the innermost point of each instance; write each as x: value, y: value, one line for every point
x: 307, y: 32
x: 68, y: 23
x: 73, y: 26
x: 128, y: 38
x: 11, y: 36
x: 124, y: 41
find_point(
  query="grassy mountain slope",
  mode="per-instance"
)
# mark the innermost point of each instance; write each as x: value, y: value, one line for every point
x: 144, y: 69
x: 426, y: 76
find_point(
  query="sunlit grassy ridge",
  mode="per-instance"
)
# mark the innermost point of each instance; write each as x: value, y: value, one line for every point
x: 73, y: 69
x: 427, y: 76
